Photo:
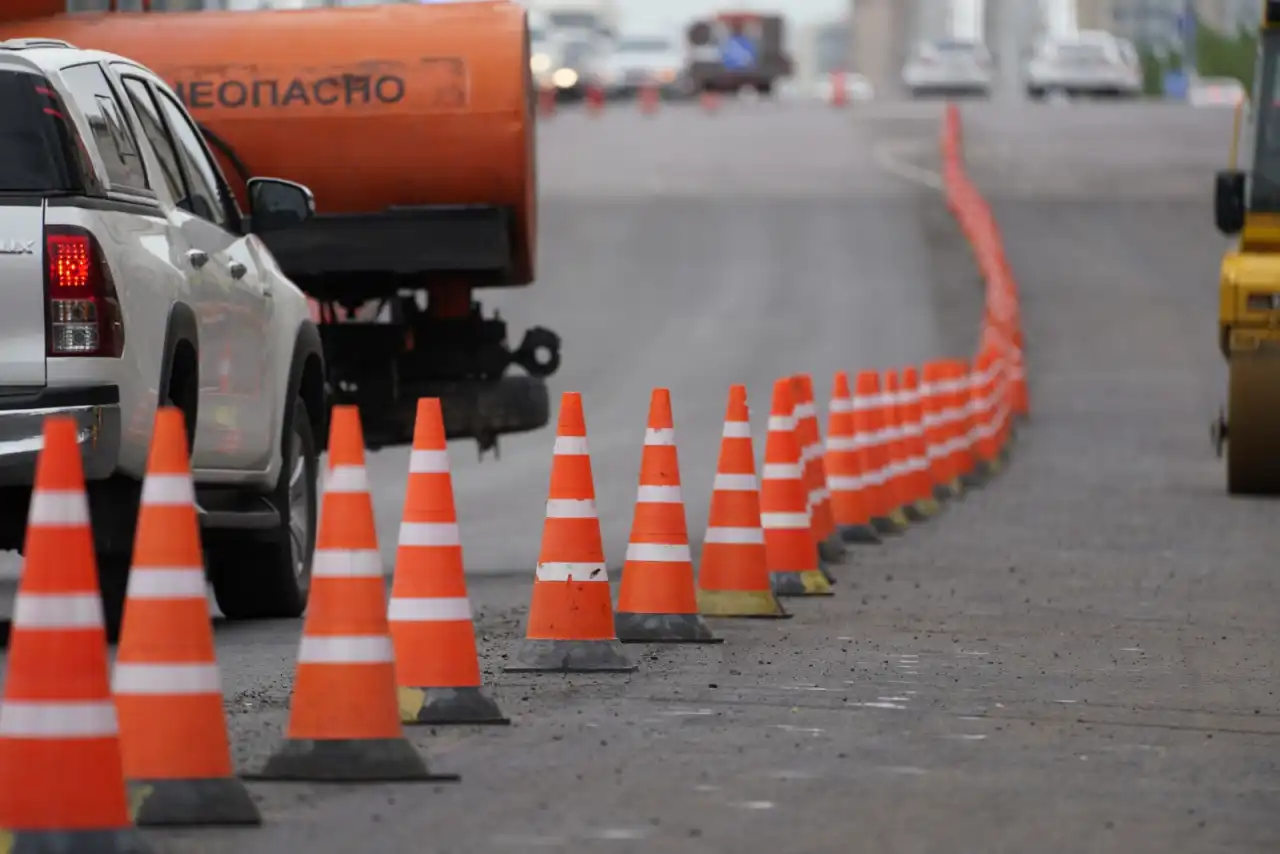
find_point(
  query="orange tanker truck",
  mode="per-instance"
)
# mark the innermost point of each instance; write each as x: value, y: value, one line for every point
x: 413, y: 126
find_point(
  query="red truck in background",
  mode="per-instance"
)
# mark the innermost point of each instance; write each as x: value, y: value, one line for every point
x: 731, y: 51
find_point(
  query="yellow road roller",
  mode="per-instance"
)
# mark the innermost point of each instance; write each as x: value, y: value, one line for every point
x: 1247, y: 206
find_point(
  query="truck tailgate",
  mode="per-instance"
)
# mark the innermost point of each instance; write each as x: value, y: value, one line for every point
x: 22, y: 297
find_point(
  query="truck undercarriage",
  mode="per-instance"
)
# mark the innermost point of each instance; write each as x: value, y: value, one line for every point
x: 398, y: 320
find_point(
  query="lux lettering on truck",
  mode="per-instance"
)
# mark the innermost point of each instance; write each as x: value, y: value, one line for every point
x: 430, y: 83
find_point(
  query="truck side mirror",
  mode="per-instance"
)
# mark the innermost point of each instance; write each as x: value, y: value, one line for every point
x: 1228, y: 201
x: 276, y: 204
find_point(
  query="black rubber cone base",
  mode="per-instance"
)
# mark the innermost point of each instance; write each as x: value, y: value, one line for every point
x: 945, y: 492
x: 862, y: 534
x: 366, y: 760
x: 663, y: 628
x: 211, y: 802
x: 825, y: 569
x: 443, y: 706
x: 889, y: 525
x: 810, y: 582
x: 749, y: 604
x: 535, y: 655
x: 832, y: 550
x: 122, y: 841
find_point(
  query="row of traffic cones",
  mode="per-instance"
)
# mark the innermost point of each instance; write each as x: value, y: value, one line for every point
x: 151, y: 747
x: 897, y: 448
x: 648, y: 99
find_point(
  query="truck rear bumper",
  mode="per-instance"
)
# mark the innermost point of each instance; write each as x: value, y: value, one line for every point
x: 96, y: 413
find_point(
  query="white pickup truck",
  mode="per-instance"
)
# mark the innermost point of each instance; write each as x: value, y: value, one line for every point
x: 131, y: 279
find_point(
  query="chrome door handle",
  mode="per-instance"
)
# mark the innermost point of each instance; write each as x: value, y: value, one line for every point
x: 237, y: 270
x: 197, y: 257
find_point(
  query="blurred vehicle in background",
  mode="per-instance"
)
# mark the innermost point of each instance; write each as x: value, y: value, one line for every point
x: 1215, y: 92
x: 733, y: 51
x: 576, y: 19
x: 647, y: 60
x: 577, y: 64
x: 544, y: 53
x: 949, y: 67
x: 1089, y: 62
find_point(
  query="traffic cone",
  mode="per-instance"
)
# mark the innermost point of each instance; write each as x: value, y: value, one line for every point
x: 344, y: 721
x: 733, y: 579
x: 839, y: 90
x: 873, y: 419
x: 709, y: 100
x: 937, y: 418
x: 822, y: 520
x: 61, y: 777
x: 899, y: 461
x: 595, y: 99
x: 173, y: 730
x: 919, y: 483
x: 658, y: 600
x: 983, y: 400
x: 967, y: 432
x: 570, y: 626
x: 790, y: 551
x: 547, y: 101
x: 955, y: 405
x: 649, y: 99
x: 850, y: 496
x: 437, y: 666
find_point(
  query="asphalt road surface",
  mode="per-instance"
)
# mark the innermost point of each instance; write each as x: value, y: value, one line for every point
x: 1078, y: 658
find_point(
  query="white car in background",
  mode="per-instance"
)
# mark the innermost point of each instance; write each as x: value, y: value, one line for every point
x: 949, y: 67
x: 645, y: 60
x: 1090, y: 63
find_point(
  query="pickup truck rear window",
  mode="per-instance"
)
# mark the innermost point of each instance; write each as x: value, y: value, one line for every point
x: 35, y: 141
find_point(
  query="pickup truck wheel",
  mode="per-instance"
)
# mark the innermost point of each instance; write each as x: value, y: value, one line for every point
x: 267, y: 578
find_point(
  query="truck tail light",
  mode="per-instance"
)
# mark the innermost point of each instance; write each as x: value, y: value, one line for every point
x: 83, y: 309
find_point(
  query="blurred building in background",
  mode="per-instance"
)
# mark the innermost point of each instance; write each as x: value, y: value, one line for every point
x: 1154, y: 23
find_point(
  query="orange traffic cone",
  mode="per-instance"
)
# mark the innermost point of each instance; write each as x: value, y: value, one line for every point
x: 595, y: 99
x: 344, y: 722
x: 876, y: 418
x: 437, y: 666
x: 173, y: 730
x: 851, y: 502
x: 61, y: 779
x: 650, y: 99
x: 790, y: 550
x: 921, y: 503
x: 547, y: 101
x: 709, y: 100
x: 823, y: 523
x: 937, y: 420
x: 839, y: 89
x: 967, y: 427
x: 984, y: 402
x: 897, y: 481
x: 733, y: 579
x: 658, y: 599
x: 571, y: 624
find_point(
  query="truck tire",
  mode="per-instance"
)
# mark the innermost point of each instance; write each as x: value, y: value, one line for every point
x: 268, y: 577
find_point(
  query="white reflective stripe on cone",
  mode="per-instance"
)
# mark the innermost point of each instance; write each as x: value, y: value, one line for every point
x: 57, y: 611
x: 154, y: 582
x: 658, y: 553
x: 346, y: 649
x: 847, y: 483
x: 429, y: 462
x: 429, y: 534
x: 736, y: 483
x: 429, y: 610
x: 346, y: 563
x: 781, y: 422
x: 784, y: 521
x: 346, y: 479
x: 734, y: 536
x: 782, y: 471
x: 571, y: 508
x: 660, y: 437
x: 65, y: 719
x: 562, y: 571
x: 168, y: 490
x: 50, y: 507
x: 137, y: 678
x: 659, y: 495
x: 736, y: 430
x: 571, y: 446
